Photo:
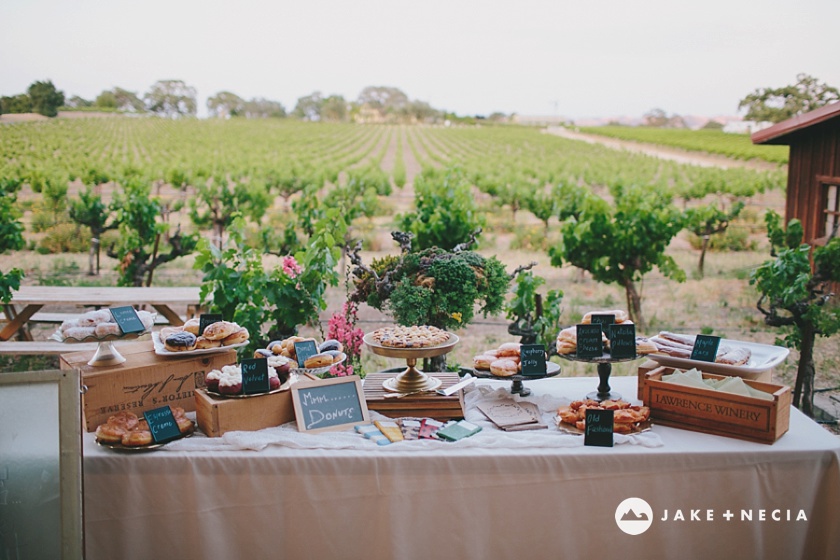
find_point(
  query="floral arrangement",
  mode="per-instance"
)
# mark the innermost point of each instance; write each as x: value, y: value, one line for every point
x: 342, y: 327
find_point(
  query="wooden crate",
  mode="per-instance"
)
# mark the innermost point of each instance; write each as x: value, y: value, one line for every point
x: 143, y: 382
x: 650, y: 365
x: 717, y: 412
x: 427, y: 405
x: 217, y: 415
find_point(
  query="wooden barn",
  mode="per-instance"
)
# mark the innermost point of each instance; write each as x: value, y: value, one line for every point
x: 813, y: 187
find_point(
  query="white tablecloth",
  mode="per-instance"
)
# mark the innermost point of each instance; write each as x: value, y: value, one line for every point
x: 453, y: 501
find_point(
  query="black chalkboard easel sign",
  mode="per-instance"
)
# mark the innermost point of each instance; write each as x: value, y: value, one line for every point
x: 589, y: 341
x: 532, y: 358
x: 605, y: 320
x: 705, y: 348
x: 623, y: 341
x: 254, y: 376
x: 162, y: 424
x: 207, y: 319
x: 305, y: 350
x: 329, y: 404
x: 599, y: 428
x: 127, y: 319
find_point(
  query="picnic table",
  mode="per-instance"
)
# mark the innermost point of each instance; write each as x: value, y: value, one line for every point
x: 29, y: 300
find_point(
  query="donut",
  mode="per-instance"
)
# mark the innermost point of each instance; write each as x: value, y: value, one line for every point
x: 494, y: 352
x: 106, y: 329
x: 220, y: 330
x: 620, y: 316
x: 263, y: 353
x: 93, y: 318
x: 202, y: 343
x: 483, y: 361
x: 318, y: 360
x: 138, y: 436
x: 337, y: 355
x: 116, y: 426
x: 509, y: 349
x: 165, y: 332
x: 504, y: 368
x: 192, y: 325
x: 69, y: 324
x: 148, y: 319
x: 185, y: 425
x: 330, y: 344
x: 180, y: 341
x: 237, y: 337
x: 80, y: 333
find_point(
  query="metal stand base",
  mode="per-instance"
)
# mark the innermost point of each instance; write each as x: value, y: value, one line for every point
x: 106, y: 355
x: 411, y: 380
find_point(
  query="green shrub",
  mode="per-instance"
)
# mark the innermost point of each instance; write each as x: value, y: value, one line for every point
x: 65, y: 238
x: 733, y: 239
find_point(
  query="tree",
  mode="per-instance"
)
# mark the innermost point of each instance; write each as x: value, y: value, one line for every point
x: 121, y: 100
x: 89, y: 210
x: 621, y: 243
x: 708, y: 220
x: 779, y: 104
x: 78, y: 102
x: 171, y: 98
x: 45, y: 98
x: 386, y: 99
x: 20, y: 103
x: 217, y: 204
x: 308, y: 107
x: 225, y: 105
x: 11, y: 238
x: 656, y: 117
x: 261, y: 108
x: 138, y: 246
x: 334, y: 108
x: 794, y: 297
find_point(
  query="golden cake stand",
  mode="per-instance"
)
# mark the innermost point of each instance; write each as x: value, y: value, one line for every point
x: 411, y: 380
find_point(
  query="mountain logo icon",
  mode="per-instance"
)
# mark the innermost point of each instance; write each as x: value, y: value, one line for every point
x: 634, y: 516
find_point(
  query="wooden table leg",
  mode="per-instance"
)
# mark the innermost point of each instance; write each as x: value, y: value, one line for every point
x: 173, y: 318
x: 17, y: 321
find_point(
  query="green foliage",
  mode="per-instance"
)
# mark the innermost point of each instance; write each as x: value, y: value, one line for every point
x: 779, y: 104
x: 445, y: 210
x: 89, y: 210
x: 11, y: 238
x: 434, y: 287
x: 217, y: 202
x: 45, y: 98
x: 270, y: 303
x: 65, y: 238
x: 522, y: 308
x: 20, y: 103
x: 171, y: 98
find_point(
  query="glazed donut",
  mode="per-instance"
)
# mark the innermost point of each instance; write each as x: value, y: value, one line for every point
x: 165, y: 332
x: 318, y: 360
x: 185, y: 425
x: 263, y: 353
x: 180, y: 341
x: 483, y: 361
x: 237, y: 337
x: 202, y: 343
x: 117, y: 425
x: 107, y: 329
x: 192, y: 325
x: 509, y: 349
x: 504, y: 368
x: 220, y: 330
x: 330, y: 344
x: 137, y: 437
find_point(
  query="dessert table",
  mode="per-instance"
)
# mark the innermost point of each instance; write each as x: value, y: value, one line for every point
x: 464, y: 500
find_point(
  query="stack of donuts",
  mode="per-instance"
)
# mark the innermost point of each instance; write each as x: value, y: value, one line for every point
x: 330, y: 352
x: 99, y: 324
x: 127, y: 429
x: 186, y: 337
x: 502, y: 361
x: 567, y: 338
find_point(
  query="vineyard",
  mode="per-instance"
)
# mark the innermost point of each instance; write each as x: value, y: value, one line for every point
x: 738, y: 146
x: 282, y: 187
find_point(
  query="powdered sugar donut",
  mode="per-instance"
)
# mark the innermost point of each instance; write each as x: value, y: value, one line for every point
x: 80, y: 333
x: 106, y: 329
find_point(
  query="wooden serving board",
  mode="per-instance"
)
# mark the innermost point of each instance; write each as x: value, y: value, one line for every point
x: 424, y: 405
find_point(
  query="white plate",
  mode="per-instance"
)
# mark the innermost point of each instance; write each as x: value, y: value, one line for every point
x: 762, y: 358
x: 161, y: 350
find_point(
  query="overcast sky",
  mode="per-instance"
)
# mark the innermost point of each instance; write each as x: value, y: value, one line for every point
x: 580, y: 58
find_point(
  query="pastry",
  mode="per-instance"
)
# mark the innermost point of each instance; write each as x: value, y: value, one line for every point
x: 644, y: 346
x: 483, y: 361
x: 237, y: 337
x: 626, y: 417
x: 167, y: 331
x: 336, y: 355
x: 148, y: 319
x: 263, y: 353
x: 180, y: 341
x: 504, y: 367
x: 509, y: 349
x: 202, y: 343
x: 137, y: 436
x: 620, y: 316
x: 93, y: 318
x: 107, y: 329
x: 330, y: 344
x: 220, y: 330
x: 117, y: 425
x: 410, y: 337
x: 318, y: 360
x: 192, y: 325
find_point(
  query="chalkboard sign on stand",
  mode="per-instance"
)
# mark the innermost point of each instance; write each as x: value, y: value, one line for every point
x: 162, y: 424
x: 599, y: 428
x: 605, y: 320
x: 305, y: 350
x: 589, y: 341
x: 705, y: 348
x: 330, y: 404
x: 254, y: 376
x: 127, y: 319
x: 532, y: 358
x: 623, y: 341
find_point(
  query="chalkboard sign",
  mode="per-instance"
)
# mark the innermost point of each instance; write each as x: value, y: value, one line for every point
x: 705, y: 348
x: 127, y: 319
x: 305, y: 350
x: 254, y: 376
x: 162, y: 424
x: 599, y: 428
x: 330, y: 404
x: 605, y: 320
x: 623, y: 341
x: 589, y: 341
x: 532, y: 359
x: 207, y: 319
